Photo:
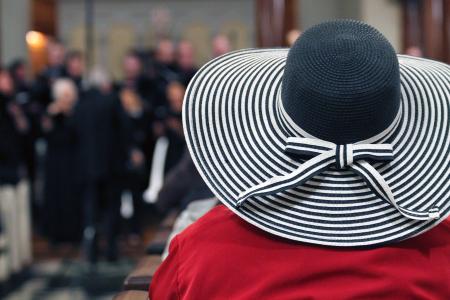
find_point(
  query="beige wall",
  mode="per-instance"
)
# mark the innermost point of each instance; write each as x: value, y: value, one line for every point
x: 205, y: 17
x: 123, y: 24
x: 14, y: 23
x: 385, y: 15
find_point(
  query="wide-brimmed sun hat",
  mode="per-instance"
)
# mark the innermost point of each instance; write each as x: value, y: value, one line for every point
x: 337, y: 141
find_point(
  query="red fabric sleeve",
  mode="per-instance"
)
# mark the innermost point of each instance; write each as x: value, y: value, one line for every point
x: 164, y: 283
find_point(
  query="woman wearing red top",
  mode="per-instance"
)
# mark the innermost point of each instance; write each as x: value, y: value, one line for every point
x: 223, y: 257
x: 333, y: 163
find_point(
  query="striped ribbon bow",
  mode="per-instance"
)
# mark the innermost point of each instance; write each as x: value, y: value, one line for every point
x: 326, y: 154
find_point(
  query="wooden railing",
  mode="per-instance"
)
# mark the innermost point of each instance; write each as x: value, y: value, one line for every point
x: 136, y: 284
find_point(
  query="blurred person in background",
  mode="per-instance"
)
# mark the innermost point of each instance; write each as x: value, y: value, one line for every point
x: 30, y: 107
x: 166, y: 71
x: 13, y: 127
x: 173, y: 125
x: 99, y: 153
x: 137, y: 121
x: 132, y: 70
x: 14, y: 202
x: 176, y: 193
x: 18, y: 71
x: 292, y: 36
x: 186, y: 62
x: 170, y: 143
x: 74, y: 67
x: 414, y: 51
x: 61, y: 208
x: 165, y: 54
x: 22, y: 89
x: 99, y: 79
x: 134, y: 78
x: 56, y: 53
x: 220, y: 45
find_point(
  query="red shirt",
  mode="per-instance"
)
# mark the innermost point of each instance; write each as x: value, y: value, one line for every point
x: 223, y: 257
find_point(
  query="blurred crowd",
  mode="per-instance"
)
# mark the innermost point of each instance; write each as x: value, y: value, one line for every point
x: 84, y: 145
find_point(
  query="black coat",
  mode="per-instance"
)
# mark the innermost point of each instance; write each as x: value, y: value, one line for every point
x: 41, y: 90
x: 177, y: 143
x: 164, y: 74
x: 187, y: 75
x: 143, y: 86
x: 62, y: 207
x: 137, y: 136
x: 182, y: 185
x: 99, y: 136
x: 11, y: 151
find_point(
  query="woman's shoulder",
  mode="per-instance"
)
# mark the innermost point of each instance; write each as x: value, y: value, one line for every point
x: 223, y: 242
x: 220, y: 226
x: 221, y: 229
x: 213, y: 223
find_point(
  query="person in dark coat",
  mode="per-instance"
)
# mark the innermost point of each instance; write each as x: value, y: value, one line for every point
x: 173, y: 127
x: 13, y: 127
x: 100, y: 154
x: 31, y: 109
x: 185, y: 62
x: 137, y: 120
x: 17, y: 70
x: 177, y: 193
x: 165, y: 71
x: 74, y: 67
x: 41, y: 88
x: 61, y: 209
x: 135, y: 79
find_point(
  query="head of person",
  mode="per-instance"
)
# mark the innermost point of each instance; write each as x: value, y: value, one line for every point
x: 99, y: 79
x: 292, y: 36
x: 185, y: 55
x: 75, y: 63
x: 18, y: 70
x: 56, y: 53
x: 220, y: 45
x: 6, y: 82
x: 165, y: 52
x: 175, y: 95
x: 130, y: 100
x: 64, y: 92
x: 414, y: 51
x: 132, y: 65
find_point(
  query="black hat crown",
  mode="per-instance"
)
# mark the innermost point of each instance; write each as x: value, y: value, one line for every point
x: 341, y: 82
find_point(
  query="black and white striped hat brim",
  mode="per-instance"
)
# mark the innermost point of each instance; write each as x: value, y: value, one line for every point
x: 236, y: 132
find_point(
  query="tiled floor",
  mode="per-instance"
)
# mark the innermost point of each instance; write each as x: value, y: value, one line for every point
x: 72, y: 279
x: 61, y: 274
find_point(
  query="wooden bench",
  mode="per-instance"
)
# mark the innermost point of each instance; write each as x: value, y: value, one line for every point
x: 132, y: 295
x: 158, y: 243
x: 140, y: 278
x: 138, y: 281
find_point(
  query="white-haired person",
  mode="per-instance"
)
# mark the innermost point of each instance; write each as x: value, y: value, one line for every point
x: 100, y: 134
x: 61, y: 209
